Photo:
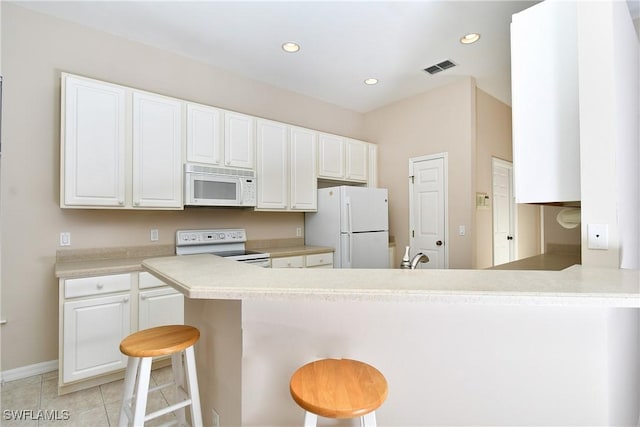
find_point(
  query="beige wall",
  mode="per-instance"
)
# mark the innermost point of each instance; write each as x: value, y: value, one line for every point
x: 35, y: 49
x: 441, y: 120
x: 472, y: 127
x: 494, y: 139
x: 554, y: 233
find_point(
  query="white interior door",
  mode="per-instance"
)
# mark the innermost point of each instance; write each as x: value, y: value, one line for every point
x: 428, y: 209
x: 504, y: 211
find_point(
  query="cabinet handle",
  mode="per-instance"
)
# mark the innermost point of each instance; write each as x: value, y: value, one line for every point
x: 125, y: 299
x: 100, y: 286
x: 121, y: 202
x: 143, y: 297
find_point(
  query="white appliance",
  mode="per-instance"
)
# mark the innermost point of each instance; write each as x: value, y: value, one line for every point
x: 227, y: 243
x: 211, y: 186
x: 355, y: 222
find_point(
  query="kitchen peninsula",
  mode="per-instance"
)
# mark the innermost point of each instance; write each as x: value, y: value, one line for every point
x: 457, y: 347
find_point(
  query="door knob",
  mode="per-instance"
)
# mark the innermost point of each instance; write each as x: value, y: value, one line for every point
x: 439, y: 243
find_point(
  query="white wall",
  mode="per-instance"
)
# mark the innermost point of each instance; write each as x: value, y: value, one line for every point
x: 446, y: 364
x: 609, y: 111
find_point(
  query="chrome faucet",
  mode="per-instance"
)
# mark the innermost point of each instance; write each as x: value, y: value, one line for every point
x: 419, y: 257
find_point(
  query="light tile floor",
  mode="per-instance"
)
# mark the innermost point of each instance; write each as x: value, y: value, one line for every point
x: 94, y: 407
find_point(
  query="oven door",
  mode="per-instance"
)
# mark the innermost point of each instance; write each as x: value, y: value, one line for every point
x: 212, y: 190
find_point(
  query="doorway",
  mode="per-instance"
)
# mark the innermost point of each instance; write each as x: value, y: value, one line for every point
x: 428, y: 204
x: 504, y: 212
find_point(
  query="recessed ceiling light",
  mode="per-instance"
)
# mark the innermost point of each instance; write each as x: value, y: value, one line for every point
x: 371, y: 81
x: 470, y: 38
x: 290, y: 47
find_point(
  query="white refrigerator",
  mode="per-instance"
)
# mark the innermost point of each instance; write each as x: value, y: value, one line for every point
x: 355, y: 222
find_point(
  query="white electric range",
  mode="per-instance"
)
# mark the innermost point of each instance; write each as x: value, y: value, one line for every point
x: 227, y: 243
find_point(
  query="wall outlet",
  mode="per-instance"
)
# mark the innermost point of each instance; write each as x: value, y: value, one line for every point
x: 154, y: 235
x: 598, y: 236
x: 299, y: 232
x: 65, y: 238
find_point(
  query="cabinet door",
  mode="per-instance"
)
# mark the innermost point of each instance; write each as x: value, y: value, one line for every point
x: 203, y: 134
x: 330, y: 157
x: 372, y: 176
x: 160, y: 307
x: 239, y: 142
x: 93, y: 329
x: 93, y: 143
x: 303, y: 179
x: 157, y: 161
x: 273, y: 169
x: 356, y: 160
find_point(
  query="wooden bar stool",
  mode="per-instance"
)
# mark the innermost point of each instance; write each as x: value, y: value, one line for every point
x: 338, y: 388
x: 141, y: 347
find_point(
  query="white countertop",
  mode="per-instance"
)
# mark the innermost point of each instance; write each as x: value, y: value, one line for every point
x: 212, y: 277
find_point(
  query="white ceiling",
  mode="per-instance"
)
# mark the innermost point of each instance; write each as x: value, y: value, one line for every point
x: 343, y: 43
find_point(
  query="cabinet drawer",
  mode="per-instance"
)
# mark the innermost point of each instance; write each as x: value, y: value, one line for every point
x: 148, y: 280
x: 96, y: 285
x: 317, y: 260
x: 287, y: 262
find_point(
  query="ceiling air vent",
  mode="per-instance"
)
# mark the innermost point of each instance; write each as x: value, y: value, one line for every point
x: 440, y: 67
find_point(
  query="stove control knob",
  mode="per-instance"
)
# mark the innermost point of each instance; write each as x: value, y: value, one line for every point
x: 221, y: 236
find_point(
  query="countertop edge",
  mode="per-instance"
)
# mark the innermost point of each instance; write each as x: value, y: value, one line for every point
x: 552, y: 297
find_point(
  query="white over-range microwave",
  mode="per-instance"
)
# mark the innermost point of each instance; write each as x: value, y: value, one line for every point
x: 212, y: 186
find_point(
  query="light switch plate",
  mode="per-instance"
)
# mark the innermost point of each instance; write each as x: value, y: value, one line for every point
x: 65, y: 238
x: 598, y: 236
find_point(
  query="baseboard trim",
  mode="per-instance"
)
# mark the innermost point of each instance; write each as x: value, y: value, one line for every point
x: 28, y: 371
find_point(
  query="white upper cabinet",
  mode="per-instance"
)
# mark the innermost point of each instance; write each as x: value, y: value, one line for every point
x: 273, y: 167
x: 239, y: 140
x: 544, y: 76
x: 330, y: 156
x: 93, y: 143
x: 286, y: 167
x: 342, y: 159
x: 372, y: 179
x: 121, y: 148
x: 204, y: 134
x: 356, y: 160
x: 302, y: 160
x: 157, y: 161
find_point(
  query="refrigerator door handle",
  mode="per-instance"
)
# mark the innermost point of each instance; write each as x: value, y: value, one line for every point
x: 347, y: 201
x: 349, y: 250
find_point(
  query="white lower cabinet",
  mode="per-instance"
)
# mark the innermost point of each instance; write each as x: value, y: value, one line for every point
x: 97, y: 313
x: 322, y: 260
x: 288, y: 262
x: 92, y: 330
x: 161, y: 305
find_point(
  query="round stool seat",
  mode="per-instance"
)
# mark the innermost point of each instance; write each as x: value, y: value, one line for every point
x: 338, y: 388
x: 159, y: 341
